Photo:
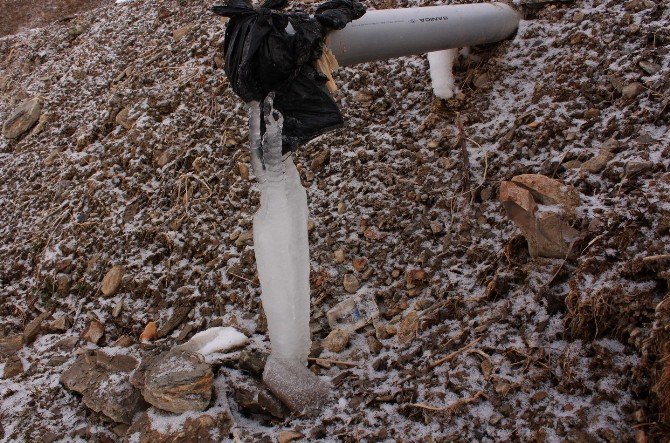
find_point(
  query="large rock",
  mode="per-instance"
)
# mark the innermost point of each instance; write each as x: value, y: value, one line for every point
x: 157, y: 427
x: 543, y: 209
x: 23, y: 118
x: 210, y: 426
x: 178, y: 381
x: 103, y: 382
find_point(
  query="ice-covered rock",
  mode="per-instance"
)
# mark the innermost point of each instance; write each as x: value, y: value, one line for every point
x: 296, y: 386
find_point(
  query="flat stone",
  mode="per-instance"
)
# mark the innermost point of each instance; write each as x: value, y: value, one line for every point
x: 288, y: 436
x: 408, y: 327
x: 549, y: 191
x: 23, y: 118
x: 649, y: 67
x: 598, y: 162
x: 181, y: 32
x: 33, y: 329
x: 178, y: 381
x: 179, y: 314
x: 103, y: 381
x: 634, y: 168
x: 13, y: 367
x: 122, y: 118
x: 60, y: 324
x: 320, y: 160
x: 375, y: 345
x: 10, y: 345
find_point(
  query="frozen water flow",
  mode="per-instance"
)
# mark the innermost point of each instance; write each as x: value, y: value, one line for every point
x: 441, y: 72
x: 280, y: 238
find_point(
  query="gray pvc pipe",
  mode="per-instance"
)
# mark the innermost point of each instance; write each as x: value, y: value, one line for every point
x: 390, y: 33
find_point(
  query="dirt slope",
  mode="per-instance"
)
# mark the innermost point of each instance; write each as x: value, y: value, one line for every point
x: 567, y: 350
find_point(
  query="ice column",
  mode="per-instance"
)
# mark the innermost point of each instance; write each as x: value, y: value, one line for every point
x: 282, y: 258
x: 280, y: 238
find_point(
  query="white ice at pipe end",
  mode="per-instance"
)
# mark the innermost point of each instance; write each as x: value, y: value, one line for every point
x: 441, y: 72
x: 217, y: 339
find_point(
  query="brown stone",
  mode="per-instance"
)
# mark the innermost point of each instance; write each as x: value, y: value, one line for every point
x: 10, y: 345
x: 408, y: 327
x: 178, y: 381
x: 112, y: 280
x: 61, y: 324
x: 33, y: 329
x: 211, y: 426
x: 289, y: 436
x: 598, y: 162
x: 103, y: 382
x: 124, y: 341
x: 336, y: 341
x: 23, y: 118
x: 351, y: 283
x: 122, y: 118
x: 320, y: 160
x: 13, y: 367
x: 181, y: 32
x: 359, y: 263
x: 548, y: 234
x: 632, y: 90
x: 150, y: 332
x: 93, y: 332
x: 243, y: 169
x: 63, y: 284
x: 549, y: 191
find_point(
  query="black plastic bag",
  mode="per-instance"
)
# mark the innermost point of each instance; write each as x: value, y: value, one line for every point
x: 262, y: 57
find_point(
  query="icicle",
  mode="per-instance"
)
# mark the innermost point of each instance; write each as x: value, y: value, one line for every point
x: 280, y: 238
x: 441, y: 72
x: 282, y: 258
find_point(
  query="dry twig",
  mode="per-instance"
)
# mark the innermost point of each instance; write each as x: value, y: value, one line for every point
x: 333, y: 362
x: 452, y: 408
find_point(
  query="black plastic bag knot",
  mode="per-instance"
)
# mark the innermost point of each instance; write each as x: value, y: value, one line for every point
x: 261, y: 56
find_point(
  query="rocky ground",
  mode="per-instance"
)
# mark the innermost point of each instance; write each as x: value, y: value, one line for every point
x: 126, y: 199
